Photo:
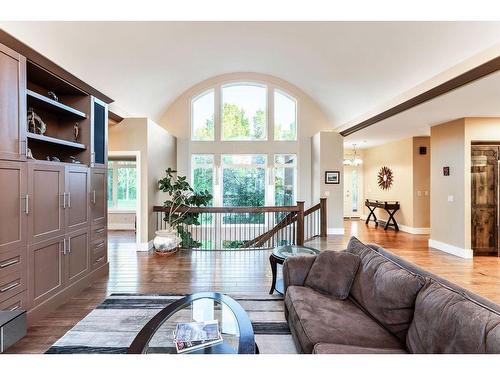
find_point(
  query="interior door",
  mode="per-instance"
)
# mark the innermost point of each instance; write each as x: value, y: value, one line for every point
x: 47, y: 201
x: 12, y: 105
x: 14, y: 206
x: 77, y: 197
x: 484, y: 199
x: 77, y: 259
x: 98, y: 198
x: 351, y: 191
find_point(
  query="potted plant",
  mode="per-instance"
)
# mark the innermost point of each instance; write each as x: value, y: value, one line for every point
x: 180, y: 194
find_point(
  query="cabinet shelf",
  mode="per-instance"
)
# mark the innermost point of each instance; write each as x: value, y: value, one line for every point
x: 52, y: 105
x: 44, y: 138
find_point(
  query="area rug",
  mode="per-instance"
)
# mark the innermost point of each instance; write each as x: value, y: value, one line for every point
x: 112, y: 326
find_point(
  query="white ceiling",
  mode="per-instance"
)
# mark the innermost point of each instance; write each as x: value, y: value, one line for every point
x: 480, y: 98
x: 347, y: 67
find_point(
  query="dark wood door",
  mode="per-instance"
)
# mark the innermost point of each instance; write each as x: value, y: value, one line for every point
x: 14, y: 206
x: 77, y: 197
x: 45, y: 267
x: 12, y: 105
x: 484, y: 199
x: 46, y: 217
x: 98, y: 196
x: 77, y: 259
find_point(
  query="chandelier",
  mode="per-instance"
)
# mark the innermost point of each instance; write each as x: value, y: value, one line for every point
x: 355, y: 160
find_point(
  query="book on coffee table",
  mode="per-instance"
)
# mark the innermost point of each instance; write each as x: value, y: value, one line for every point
x: 196, y: 335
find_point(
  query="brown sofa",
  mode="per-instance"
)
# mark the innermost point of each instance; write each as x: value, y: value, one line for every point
x: 392, y: 307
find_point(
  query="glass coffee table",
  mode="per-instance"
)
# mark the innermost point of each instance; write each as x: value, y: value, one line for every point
x: 279, y: 256
x: 157, y: 336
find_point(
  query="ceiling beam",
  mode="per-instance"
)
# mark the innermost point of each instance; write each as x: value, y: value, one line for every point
x: 478, y: 72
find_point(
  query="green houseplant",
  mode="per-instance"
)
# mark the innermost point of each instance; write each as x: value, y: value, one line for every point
x: 181, y: 194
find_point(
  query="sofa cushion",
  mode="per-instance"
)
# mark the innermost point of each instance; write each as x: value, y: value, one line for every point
x: 384, y: 289
x: 333, y: 272
x: 446, y: 321
x: 318, y: 318
x: 325, y: 348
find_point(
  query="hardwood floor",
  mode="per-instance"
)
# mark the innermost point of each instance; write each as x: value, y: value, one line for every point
x: 240, y: 271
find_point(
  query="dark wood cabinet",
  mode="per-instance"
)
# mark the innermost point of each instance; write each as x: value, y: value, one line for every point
x: 45, y: 267
x: 46, y: 217
x: 98, y: 196
x: 77, y: 183
x: 14, y: 205
x: 77, y: 257
x: 12, y: 105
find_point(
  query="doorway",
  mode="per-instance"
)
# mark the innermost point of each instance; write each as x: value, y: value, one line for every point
x: 352, y: 192
x: 484, y: 199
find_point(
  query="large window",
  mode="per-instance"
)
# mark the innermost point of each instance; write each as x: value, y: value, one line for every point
x: 122, y: 185
x: 240, y: 113
x: 202, y: 167
x: 244, y: 113
x: 202, y: 117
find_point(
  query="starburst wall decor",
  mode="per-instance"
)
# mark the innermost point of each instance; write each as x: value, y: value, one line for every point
x: 385, y: 178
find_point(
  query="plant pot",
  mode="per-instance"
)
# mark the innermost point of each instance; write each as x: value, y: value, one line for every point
x: 166, y: 242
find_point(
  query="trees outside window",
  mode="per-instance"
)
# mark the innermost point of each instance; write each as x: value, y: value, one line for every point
x: 202, y: 117
x: 285, y: 117
x: 285, y: 168
x: 122, y: 184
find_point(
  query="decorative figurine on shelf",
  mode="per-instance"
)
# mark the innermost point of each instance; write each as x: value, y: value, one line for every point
x: 29, y: 154
x: 35, y: 123
x: 76, y: 131
x: 53, y: 96
x: 74, y: 160
x: 53, y: 158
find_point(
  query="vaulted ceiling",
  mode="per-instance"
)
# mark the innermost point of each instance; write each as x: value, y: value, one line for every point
x: 348, y: 68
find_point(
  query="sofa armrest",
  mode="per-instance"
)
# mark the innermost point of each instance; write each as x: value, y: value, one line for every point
x: 296, y: 268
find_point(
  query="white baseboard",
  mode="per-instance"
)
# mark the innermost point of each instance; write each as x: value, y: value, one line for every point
x: 121, y: 226
x: 450, y: 249
x: 335, y: 231
x: 414, y: 230
x: 145, y: 246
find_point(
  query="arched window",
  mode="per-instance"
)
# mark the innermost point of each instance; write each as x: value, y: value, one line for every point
x: 202, y: 117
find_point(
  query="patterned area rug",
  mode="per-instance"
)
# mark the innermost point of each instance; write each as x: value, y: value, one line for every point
x: 112, y: 326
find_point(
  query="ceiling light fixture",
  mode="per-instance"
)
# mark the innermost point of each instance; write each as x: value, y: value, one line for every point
x: 355, y: 160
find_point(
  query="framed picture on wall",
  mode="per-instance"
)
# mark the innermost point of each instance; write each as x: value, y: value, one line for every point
x: 332, y: 177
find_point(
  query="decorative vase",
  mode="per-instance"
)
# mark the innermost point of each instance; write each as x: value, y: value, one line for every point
x: 166, y: 241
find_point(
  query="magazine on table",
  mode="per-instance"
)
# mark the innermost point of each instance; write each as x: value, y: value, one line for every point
x: 195, y: 335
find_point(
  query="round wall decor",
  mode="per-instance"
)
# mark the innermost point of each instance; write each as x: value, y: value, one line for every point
x: 385, y: 178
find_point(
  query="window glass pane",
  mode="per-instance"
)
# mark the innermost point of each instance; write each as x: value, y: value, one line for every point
x: 285, y: 117
x: 244, y: 109
x: 244, y: 159
x: 203, y: 174
x: 202, y: 117
x: 126, y: 189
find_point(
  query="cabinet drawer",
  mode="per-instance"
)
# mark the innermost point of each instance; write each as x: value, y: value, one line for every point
x: 99, y: 253
x: 18, y: 302
x: 98, y: 231
x: 12, y: 284
x: 12, y: 261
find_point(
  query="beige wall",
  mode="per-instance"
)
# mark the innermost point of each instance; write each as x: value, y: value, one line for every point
x: 411, y: 185
x: 156, y: 148
x: 328, y: 149
x: 397, y: 156
x: 310, y: 120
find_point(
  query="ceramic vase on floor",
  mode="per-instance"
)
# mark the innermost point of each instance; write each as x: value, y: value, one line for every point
x: 166, y: 242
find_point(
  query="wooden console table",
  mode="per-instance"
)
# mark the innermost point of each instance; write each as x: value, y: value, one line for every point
x: 391, y: 207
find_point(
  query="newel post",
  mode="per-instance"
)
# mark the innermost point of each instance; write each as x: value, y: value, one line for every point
x: 300, y: 223
x: 322, y: 217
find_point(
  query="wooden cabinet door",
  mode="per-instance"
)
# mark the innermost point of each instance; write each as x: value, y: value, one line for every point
x: 45, y: 267
x: 77, y: 197
x: 12, y: 105
x: 13, y: 205
x: 98, y: 196
x: 77, y: 259
x: 46, y: 217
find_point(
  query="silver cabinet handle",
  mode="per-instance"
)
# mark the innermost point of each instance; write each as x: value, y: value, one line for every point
x: 99, y: 230
x: 69, y: 245
x: 64, y: 246
x: 69, y: 199
x: 27, y: 206
x: 9, y: 263
x: 64, y: 200
x: 93, y: 197
x: 100, y: 245
x: 9, y: 287
x: 15, y: 307
x: 98, y: 260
